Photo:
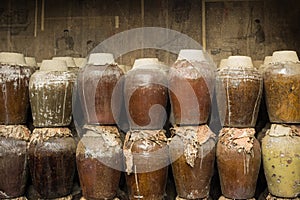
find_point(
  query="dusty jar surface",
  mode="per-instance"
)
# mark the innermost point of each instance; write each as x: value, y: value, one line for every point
x: 238, y: 158
x: 99, y: 162
x: 146, y: 159
x: 13, y: 160
x: 239, y: 93
x: 52, y: 161
x: 192, y: 152
x: 100, y: 89
x: 282, y: 89
x: 51, y: 98
x: 281, y: 159
x: 14, y: 98
x: 191, y: 86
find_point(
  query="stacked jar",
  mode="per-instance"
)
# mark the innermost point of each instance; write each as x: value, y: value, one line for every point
x: 52, y: 148
x: 239, y: 88
x: 99, y: 151
x: 14, y: 135
x: 281, y: 145
x: 192, y: 147
x: 145, y: 147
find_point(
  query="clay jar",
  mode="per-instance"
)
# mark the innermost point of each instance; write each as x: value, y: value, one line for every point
x: 192, y: 152
x: 50, y: 91
x: 282, y: 87
x: 191, y: 85
x: 239, y: 89
x: 13, y: 160
x: 52, y: 161
x: 100, y: 87
x: 14, y: 79
x: 281, y: 160
x: 238, y: 158
x: 99, y: 162
x: 146, y: 159
x: 146, y: 94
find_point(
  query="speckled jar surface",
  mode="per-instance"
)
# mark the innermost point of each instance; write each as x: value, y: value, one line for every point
x: 281, y: 159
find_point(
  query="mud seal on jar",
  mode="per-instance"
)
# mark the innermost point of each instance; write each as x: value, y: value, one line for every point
x: 156, y: 136
x: 193, y: 137
x: 40, y: 135
x: 239, y: 139
x: 19, y: 132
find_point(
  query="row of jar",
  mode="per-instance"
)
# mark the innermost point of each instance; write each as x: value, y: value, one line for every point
x: 189, y: 82
x: 51, y: 155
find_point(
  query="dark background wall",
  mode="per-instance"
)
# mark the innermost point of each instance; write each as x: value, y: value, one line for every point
x: 230, y: 25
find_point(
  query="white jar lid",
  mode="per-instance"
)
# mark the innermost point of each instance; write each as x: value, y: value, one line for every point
x: 12, y: 58
x: 268, y: 60
x: 30, y: 61
x: 80, y: 62
x: 101, y: 58
x: 145, y: 63
x: 54, y: 65
x: 69, y: 60
x: 239, y: 62
x: 285, y: 56
x: 191, y: 55
x: 223, y: 63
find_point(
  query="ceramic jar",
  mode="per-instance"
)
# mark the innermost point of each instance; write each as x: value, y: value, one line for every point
x: 99, y: 161
x: 146, y: 95
x: 192, y: 152
x: 13, y: 160
x: 282, y: 87
x: 14, y: 79
x: 146, y: 162
x: 52, y: 161
x: 281, y: 160
x: 191, y: 86
x: 239, y: 88
x: 238, y: 158
x: 100, y: 86
x: 50, y: 91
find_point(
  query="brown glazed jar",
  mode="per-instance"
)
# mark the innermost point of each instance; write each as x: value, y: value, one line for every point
x: 281, y: 160
x: 282, y: 87
x: 13, y: 160
x: 14, y: 79
x: 99, y: 162
x: 191, y: 85
x: 238, y: 158
x: 146, y: 95
x: 224, y: 198
x: 239, y: 88
x: 192, y: 153
x: 52, y: 161
x: 147, y: 159
x: 100, y: 87
x: 50, y: 91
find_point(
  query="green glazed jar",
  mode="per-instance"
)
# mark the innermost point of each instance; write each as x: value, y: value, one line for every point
x: 281, y: 160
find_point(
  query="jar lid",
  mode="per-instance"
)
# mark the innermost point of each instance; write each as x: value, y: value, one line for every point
x: 54, y: 65
x: 12, y: 58
x: 101, y: 58
x: 223, y: 63
x: 80, y: 62
x: 146, y: 63
x: 279, y: 130
x: 191, y: 55
x: 239, y: 62
x: 285, y: 56
x: 268, y: 60
x: 30, y: 61
x: 69, y: 60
